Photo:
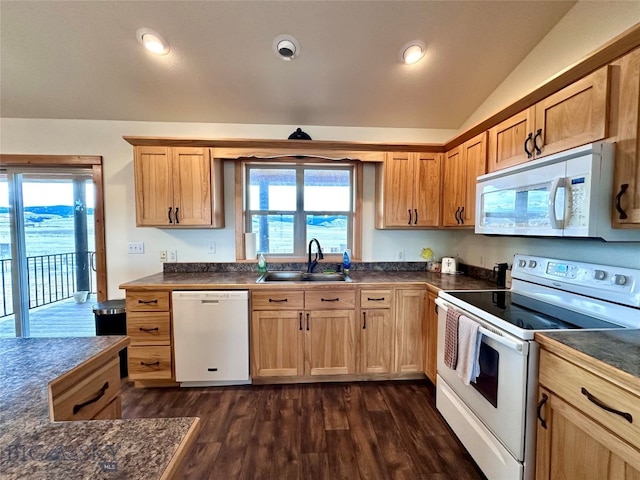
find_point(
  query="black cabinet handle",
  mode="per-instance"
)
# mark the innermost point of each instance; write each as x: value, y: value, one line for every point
x: 80, y: 406
x: 300, y: 320
x: 457, y: 217
x: 435, y: 309
x: 177, y: 219
x: 154, y: 329
x: 337, y: 299
x: 415, y: 220
x: 147, y: 302
x: 409, y: 217
x: 535, y: 144
x: 364, y: 320
x: 154, y: 364
x: 627, y: 416
x: 273, y: 300
x: 380, y: 299
x: 527, y: 140
x: 623, y: 189
x: 307, y: 322
x: 169, y: 214
x: 543, y: 422
x: 461, y: 217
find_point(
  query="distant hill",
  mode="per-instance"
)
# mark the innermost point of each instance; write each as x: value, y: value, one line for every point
x: 59, y: 210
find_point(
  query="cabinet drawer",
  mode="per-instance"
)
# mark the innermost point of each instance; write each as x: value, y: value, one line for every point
x: 330, y: 299
x: 375, y: 298
x: 147, y: 301
x: 87, y: 397
x: 277, y: 300
x: 150, y: 363
x: 572, y: 383
x: 149, y: 328
x: 113, y: 411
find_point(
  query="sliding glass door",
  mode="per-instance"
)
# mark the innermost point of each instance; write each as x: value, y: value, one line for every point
x: 47, y: 252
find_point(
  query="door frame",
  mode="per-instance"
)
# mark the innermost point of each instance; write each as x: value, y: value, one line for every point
x: 94, y: 164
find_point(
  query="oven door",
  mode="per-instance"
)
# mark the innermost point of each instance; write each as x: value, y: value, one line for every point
x: 498, y: 397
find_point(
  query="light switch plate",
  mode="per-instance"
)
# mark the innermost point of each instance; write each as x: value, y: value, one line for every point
x: 135, y: 248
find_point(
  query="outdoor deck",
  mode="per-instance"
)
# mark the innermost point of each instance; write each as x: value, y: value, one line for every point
x: 65, y: 318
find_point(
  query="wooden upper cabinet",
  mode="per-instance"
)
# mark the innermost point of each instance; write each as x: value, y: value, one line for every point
x: 573, y: 116
x: 178, y: 187
x: 625, y: 131
x: 462, y: 166
x: 408, y: 190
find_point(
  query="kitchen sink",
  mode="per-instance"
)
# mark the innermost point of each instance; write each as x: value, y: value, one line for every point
x: 284, y: 276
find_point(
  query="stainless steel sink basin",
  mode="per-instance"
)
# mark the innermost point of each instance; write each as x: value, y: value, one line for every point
x: 283, y: 276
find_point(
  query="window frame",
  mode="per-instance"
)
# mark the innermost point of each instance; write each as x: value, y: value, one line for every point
x: 355, y: 233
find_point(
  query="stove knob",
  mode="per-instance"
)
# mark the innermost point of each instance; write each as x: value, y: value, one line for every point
x: 599, y: 274
x: 532, y: 264
x: 619, y: 279
x: 522, y: 263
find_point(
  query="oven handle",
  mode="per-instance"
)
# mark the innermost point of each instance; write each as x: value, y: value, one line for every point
x: 494, y: 336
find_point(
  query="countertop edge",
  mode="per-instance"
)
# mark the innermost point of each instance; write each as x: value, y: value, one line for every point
x: 178, y: 457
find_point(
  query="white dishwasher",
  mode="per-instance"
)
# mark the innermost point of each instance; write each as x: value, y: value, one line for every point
x: 211, y: 337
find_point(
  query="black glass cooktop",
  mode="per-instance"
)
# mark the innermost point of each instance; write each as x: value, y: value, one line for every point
x: 528, y: 313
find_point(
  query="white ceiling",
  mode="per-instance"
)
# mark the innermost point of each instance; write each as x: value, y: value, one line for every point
x: 81, y: 60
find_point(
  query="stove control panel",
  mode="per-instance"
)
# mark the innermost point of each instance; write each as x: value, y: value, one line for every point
x: 617, y: 284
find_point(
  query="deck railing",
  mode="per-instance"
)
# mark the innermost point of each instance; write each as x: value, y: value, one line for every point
x: 51, y: 278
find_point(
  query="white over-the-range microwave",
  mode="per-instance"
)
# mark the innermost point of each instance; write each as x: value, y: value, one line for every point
x: 569, y: 194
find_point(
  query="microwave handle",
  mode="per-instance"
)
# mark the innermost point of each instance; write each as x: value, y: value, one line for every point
x: 553, y: 193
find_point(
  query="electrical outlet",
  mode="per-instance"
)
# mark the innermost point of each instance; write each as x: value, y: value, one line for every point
x: 135, y: 247
x: 163, y: 255
x: 173, y: 255
x: 400, y: 255
x: 211, y: 247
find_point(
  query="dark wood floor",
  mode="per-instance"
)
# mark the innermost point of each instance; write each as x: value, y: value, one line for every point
x: 377, y: 430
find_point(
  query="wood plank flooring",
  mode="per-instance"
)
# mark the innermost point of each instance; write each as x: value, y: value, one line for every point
x: 373, y: 430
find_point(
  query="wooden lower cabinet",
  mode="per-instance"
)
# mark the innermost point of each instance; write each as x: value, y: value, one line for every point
x: 430, y: 336
x: 330, y: 342
x: 277, y: 343
x: 409, y: 314
x: 579, y: 433
x: 376, y: 340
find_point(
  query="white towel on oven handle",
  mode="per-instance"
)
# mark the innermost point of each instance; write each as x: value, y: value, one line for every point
x: 469, y: 339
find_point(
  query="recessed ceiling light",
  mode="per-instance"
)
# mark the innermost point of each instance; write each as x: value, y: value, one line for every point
x: 412, y: 52
x: 286, y: 47
x: 152, y: 41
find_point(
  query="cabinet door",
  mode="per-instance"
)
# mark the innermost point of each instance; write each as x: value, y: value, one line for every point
x: 475, y: 163
x: 455, y: 183
x: 507, y: 141
x: 572, y: 445
x: 626, y: 102
x: 430, y: 340
x: 154, y: 185
x: 398, y: 190
x: 191, y: 186
x: 330, y: 342
x: 276, y: 343
x: 409, y: 314
x: 576, y: 115
x: 377, y: 340
x: 427, y: 191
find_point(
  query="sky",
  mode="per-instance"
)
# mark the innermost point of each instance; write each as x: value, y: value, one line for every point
x: 45, y: 194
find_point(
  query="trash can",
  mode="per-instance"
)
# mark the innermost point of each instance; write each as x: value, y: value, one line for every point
x: 111, y: 319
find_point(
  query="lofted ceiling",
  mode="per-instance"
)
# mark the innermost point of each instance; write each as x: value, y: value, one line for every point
x: 80, y: 60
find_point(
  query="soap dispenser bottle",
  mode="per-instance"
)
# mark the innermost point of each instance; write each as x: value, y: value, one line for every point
x: 346, y: 262
x: 262, y: 264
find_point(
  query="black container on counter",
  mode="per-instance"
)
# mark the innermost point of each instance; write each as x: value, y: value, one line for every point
x: 500, y: 274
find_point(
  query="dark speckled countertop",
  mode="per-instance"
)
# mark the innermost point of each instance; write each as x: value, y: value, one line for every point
x: 33, y: 447
x: 613, y: 349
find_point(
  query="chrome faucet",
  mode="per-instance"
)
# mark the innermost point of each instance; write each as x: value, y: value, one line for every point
x: 319, y: 256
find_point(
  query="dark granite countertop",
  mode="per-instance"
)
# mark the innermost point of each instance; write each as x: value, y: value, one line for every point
x: 247, y: 280
x: 33, y: 447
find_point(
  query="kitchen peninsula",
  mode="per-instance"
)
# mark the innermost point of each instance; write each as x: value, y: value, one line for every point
x: 38, y: 376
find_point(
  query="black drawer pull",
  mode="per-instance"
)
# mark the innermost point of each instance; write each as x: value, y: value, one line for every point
x: 623, y: 189
x: 273, y: 300
x: 307, y: 322
x: 300, y: 320
x: 212, y: 369
x: 149, y: 329
x: 627, y: 416
x: 543, y: 423
x: 147, y: 302
x: 337, y: 299
x: 364, y: 320
x: 381, y: 299
x: 80, y: 406
x: 154, y: 364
